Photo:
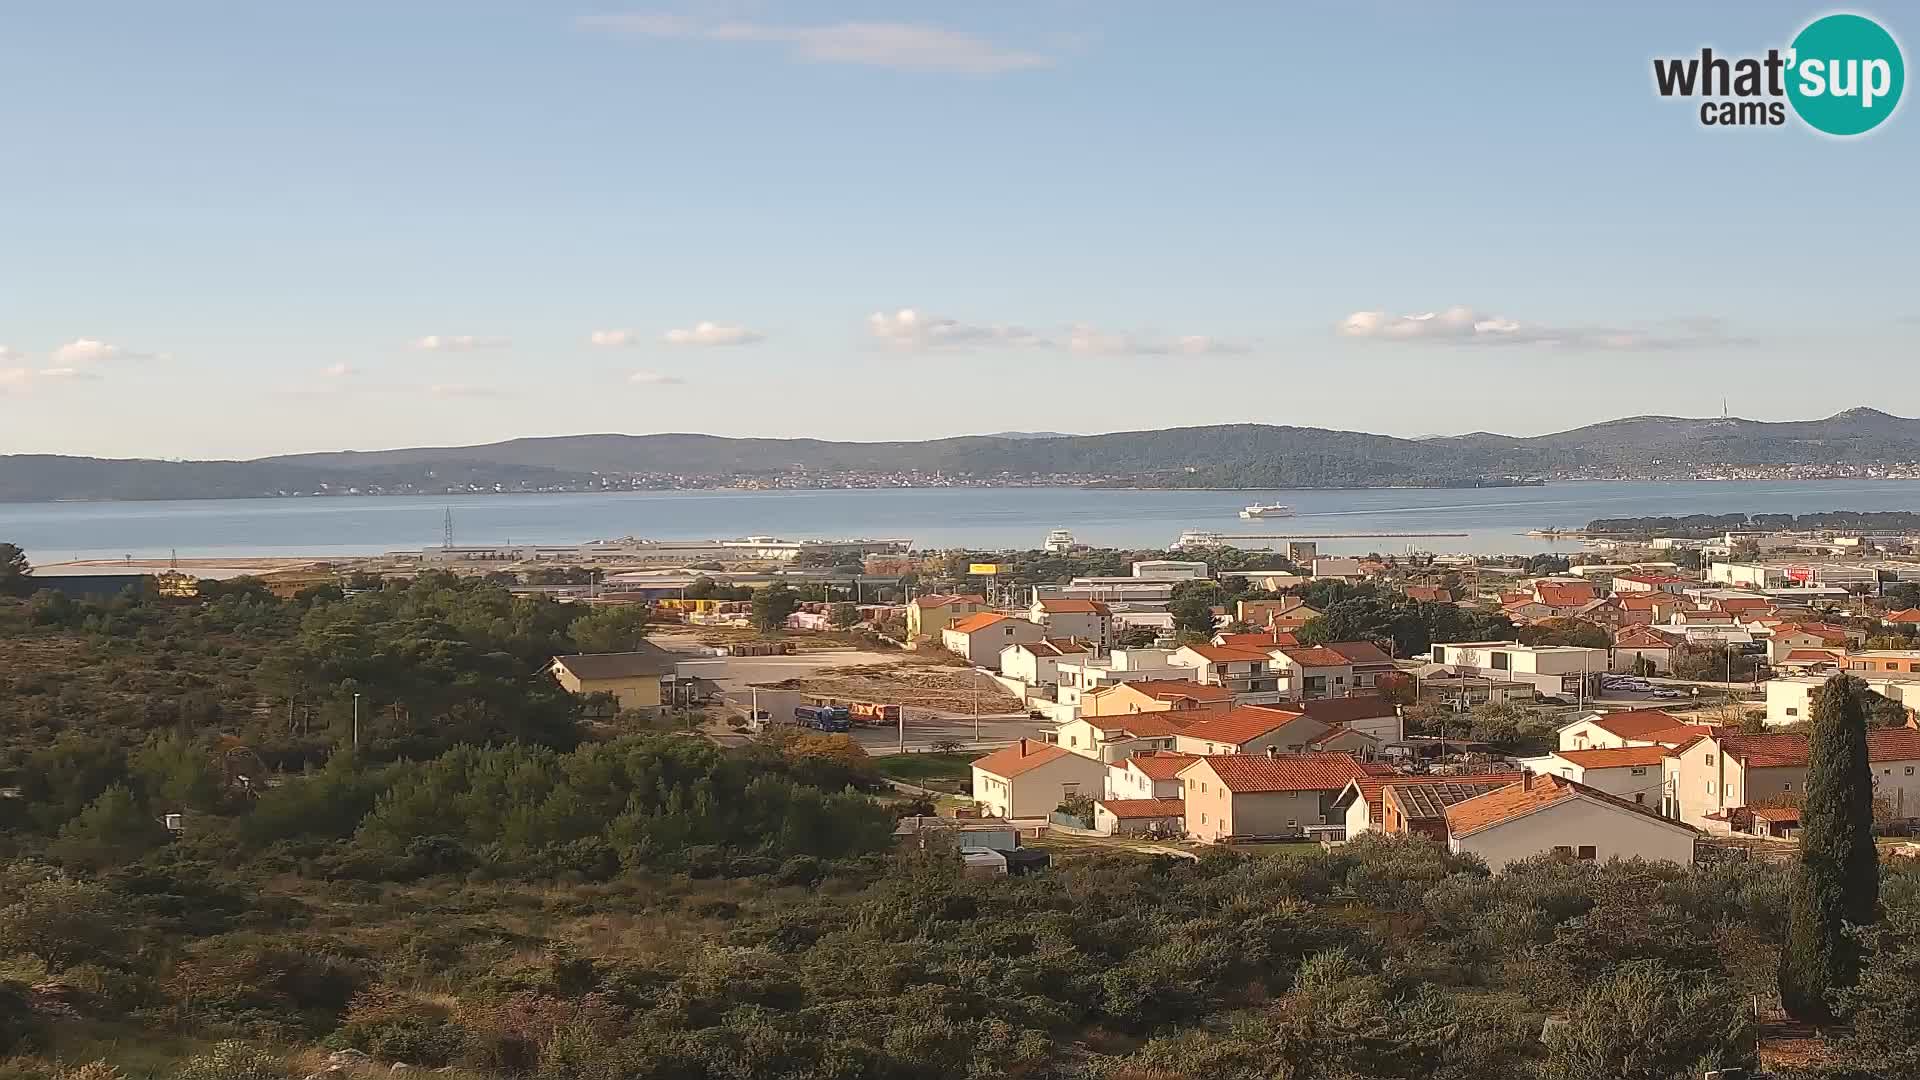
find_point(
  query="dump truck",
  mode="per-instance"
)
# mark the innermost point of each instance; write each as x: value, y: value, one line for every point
x: 871, y: 714
x: 824, y: 717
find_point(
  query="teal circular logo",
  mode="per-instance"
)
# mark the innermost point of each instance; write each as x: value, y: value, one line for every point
x: 1845, y: 74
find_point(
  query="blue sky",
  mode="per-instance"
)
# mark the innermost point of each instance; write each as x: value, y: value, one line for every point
x: 231, y: 229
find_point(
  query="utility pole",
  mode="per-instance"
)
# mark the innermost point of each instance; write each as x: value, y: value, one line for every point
x: 976, y: 712
x: 356, y: 720
x: 900, y: 715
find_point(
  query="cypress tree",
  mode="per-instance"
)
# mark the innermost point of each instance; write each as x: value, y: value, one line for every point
x: 1837, y: 881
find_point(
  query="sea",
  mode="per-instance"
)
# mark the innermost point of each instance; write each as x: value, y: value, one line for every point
x: 1385, y: 520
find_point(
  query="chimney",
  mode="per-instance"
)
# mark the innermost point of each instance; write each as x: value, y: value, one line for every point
x: 1273, y: 751
x: 1526, y: 779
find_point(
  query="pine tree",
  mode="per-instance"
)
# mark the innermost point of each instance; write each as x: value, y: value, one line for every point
x: 1837, y: 881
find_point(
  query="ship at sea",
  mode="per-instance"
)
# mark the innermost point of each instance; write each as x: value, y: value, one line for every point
x: 1059, y: 541
x: 1267, y: 510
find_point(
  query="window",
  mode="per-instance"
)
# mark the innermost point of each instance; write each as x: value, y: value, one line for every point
x: 1292, y: 824
x: 1073, y: 740
x: 1588, y: 853
x: 1068, y: 791
x: 1562, y: 849
x: 1203, y: 819
x: 1640, y: 797
x: 1637, y: 770
x: 1791, y: 711
x: 1500, y: 661
x: 1709, y: 759
x: 1709, y: 787
x: 1788, y: 786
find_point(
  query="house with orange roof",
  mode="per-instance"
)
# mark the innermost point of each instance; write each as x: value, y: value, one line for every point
x: 1263, y: 614
x: 1248, y: 672
x: 1113, y: 739
x: 1031, y: 779
x: 1527, y: 610
x: 1903, y: 617
x: 1154, y: 695
x: 1783, y: 636
x: 1149, y: 774
x: 1237, y: 796
x: 1369, y: 662
x: 1087, y: 620
x: 1427, y: 594
x: 1421, y: 809
x: 1555, y: 815
x: 1371, y: 714
x: 1140, y: 817
x: 1812, y: 662
x: 1564, y: 597
x: 1650, y: 583
x: 980, y: 637
x: 1317, y: 671
x: 1633, y: 644
x: 1362, y: 803
x: 928, y: 615
x: 1716, y: 773
x: 1634, y: 773
x: 1632, y: 727
x: 1250, y: 730
x: 1259, y: 639
x: 1037, y: 663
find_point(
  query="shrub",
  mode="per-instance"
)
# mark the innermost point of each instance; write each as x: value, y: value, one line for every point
x: 232, y: 1060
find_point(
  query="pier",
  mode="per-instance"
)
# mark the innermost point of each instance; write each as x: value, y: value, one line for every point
x: 1337, y: 536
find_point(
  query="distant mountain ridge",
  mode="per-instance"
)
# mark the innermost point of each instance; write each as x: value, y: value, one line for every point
x: 1226, y: 455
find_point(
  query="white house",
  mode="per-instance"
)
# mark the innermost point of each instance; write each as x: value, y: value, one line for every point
x: 1087, y: 620
x: 1552, y: 814
x: 1313, y: 671
x: 1249, y: 673
x: 1150, y: 774
x: 1362, y: 802
x: 1636, y: 727
x: 1634, y: 773
x: 1790, y: 698
x: 1037, y: 663
x: 1077, y: 677
x: 1031, y: 779
x: 980, y: 637
x: 1554, y: 670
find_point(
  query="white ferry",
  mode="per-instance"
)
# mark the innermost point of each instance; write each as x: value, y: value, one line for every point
x: 1267, y: 510
x: 1200, y: 538
x: 1059, y: 541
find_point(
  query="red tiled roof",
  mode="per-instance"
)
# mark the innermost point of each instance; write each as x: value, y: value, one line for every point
x: 1615, y: 757
x: 1345, y: 710
x: 977, y: 621
x: 1053, y: 647
x: 1334, y: 733
x: 1161, y: 764
x: 1905, y: 615
x: 1146, y: 725
x: 1241, y: 725
x: 1639, y: 637
x: 1221, y: 654
x: 1638, y: 601
x: 1785, y: 751
x: 1023, y: 756
x: 1314, y: 656
x: 1743, y: 603
x: 1775, y: 813
x: 1814, y: 656
x: 1370, y: 786
x: 1563, y: 593
x: 1431, y: 594
x: 1245, y: 774
x: 1135, y: 809
x: 1515, y: 800
x: 1650, y: 579
x: 1638, y: 723
x: 1256, y: 641
x: 1075, y: 607
x: 1360, y: 652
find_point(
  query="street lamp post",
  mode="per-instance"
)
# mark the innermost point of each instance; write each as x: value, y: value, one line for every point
x: 356, y: 720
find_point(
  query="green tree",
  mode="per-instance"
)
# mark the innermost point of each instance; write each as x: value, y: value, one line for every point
x: 1836, y: 883
x: 843, y: 615
x: 56, y: 919
x: 16, y: 576
x: 1885, y: 1003
x: 1192, y: 608
x: 772, y: 605
x: 176, y: 774
x: 611, y: 629
x: 1578, y: 632
x: 113, y: 831
x: 1646, y: 1021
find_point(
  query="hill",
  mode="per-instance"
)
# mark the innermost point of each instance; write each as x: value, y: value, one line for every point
x: 1228, y: 456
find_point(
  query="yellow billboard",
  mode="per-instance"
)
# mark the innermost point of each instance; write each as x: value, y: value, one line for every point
x: 984, y: 569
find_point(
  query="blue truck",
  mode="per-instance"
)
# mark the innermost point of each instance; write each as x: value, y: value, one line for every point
x: 824, y: 717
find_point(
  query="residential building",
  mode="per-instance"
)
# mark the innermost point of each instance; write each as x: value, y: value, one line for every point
x: 1427, y: 594
x: 638, y: 680
x: 1169, y: 570
x: 1885, y: 662
x: 1122, y: 665
x: 1310, y: 672
x: 1113, y: 739
x: 1247, y: 672
x: 1345, y: 741
x: 1634, y: 727
x: 1088, y: 620
x: 1149, y: 774
x: 1565, y: 598
x: 1368, y: 713
x: 1421, y: 809
x: 930, y: 614
x: 1552, y: 814
x: 1030, y: 779
x: 1368, y: 661
x: 1717, y: 773
x: 980, y: 637
x: 1555, y: 670
x: 1265, y: 613
x: 966, y: 834
x: 1329, y: 566
x: 1037, y: 663
x: 1140, y: 817
x: 1241, y: 796
x: 1790, y: 697
x: 1649, y: 583
x: 1154, y: 695
x: 1634, y: 773
x: 1259, y: 639
x: 1903, y: 617
x: 1633, y: 645
x: 1362, y: 803
x: 1250, y: 730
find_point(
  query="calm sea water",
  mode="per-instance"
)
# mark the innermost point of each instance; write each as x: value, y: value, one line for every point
x: 1494, y: 520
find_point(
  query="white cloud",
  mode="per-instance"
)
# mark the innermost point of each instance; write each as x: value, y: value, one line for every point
x: 457, y: 343
x: 461, y: 390
x: 614, y: 339
x: 14, y: 380
x: 1463, y: 325
x: 910, y: 329
x: 66, y: 373
x: 654, y: 378
x: 9, y: 354
x: 338, y: 371
x: 900, y: 46
x: 707, y: 333
x: 86, y: 352
x: 1086, y: 339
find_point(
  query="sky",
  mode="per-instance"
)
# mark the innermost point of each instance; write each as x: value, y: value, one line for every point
x: 231, y: 229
